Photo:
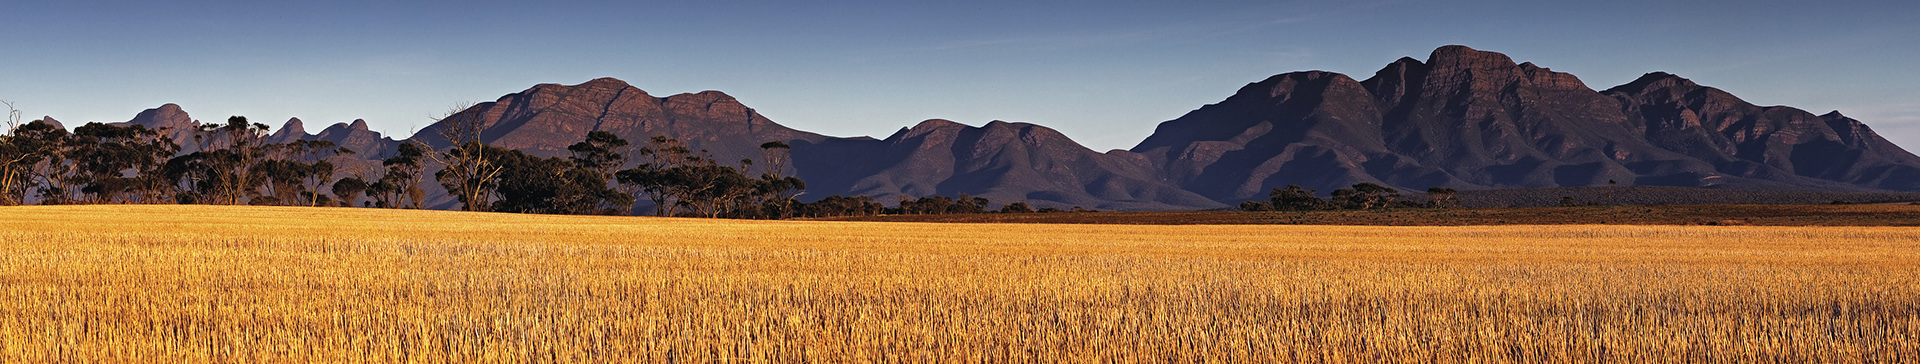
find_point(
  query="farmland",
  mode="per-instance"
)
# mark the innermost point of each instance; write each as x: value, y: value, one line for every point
x: 1759, y: 215
x: 140, y: 283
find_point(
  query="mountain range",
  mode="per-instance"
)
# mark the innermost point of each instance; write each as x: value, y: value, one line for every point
x: 1462, y: 118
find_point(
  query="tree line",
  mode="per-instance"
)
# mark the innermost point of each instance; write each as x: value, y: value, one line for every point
x: 842, y: 206
x: 102, y: 163
x: 1363, y: 196
x: 232, y: 164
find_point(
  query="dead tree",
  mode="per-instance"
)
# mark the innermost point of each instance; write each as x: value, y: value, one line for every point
x: 467, y: 171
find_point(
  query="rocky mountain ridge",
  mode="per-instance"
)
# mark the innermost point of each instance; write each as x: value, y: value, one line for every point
x: 1471, y: 119
x: 1462, y: 118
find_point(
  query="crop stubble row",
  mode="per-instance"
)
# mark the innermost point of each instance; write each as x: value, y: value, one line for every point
x: 236, y: 284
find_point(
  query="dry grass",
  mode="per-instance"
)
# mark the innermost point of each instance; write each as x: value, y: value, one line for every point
x: 246, y: 284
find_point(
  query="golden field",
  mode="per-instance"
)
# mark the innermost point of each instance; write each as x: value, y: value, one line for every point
x: 206, y: 284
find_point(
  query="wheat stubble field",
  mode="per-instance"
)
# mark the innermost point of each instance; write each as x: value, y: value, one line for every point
x: 251, y: 284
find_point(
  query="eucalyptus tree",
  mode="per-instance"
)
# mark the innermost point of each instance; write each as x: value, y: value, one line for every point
x: 348, y: 190
x: 25, y: 151
x: 652, y: 179
x: 603, y: 153
x: 227, y: 175
x: 399, y: 187
x: 123, y: 164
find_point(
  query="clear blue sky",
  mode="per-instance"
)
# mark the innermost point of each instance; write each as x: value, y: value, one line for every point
x: 1103, y: 72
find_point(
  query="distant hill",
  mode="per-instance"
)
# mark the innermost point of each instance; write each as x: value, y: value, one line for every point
x: 1000, y: 161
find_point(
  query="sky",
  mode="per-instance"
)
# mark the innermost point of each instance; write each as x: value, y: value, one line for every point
x: 1103, y: 72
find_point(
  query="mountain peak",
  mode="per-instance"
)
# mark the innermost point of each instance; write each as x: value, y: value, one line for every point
x: 925, y: 127
x: 1459, y: 56
x: 293, y: 125
x: 1663, y: 76
x: 1651, y: 81
x: 165, y: 116
x: 1297, y: 75
x: 358, y: 124
x: 608, y: 85
x: 291, y: 131
x: 1280, y: 85
x: 936, y: 124
x: 709, y: 96
x: 607, y: 82
x: 50, y: 121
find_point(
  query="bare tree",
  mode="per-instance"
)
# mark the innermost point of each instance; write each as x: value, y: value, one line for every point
x: 238, y: 161
x: 18, y: 155
x: 13, y: 118
x: 466, y: 169
x: 31, y: 156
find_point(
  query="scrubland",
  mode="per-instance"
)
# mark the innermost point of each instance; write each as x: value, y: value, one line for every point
x: 212, y: 284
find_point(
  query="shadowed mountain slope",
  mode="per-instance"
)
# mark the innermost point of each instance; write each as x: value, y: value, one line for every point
x: 1001, y: 161
x: 1470, y: 119
x: 1776, y: 142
